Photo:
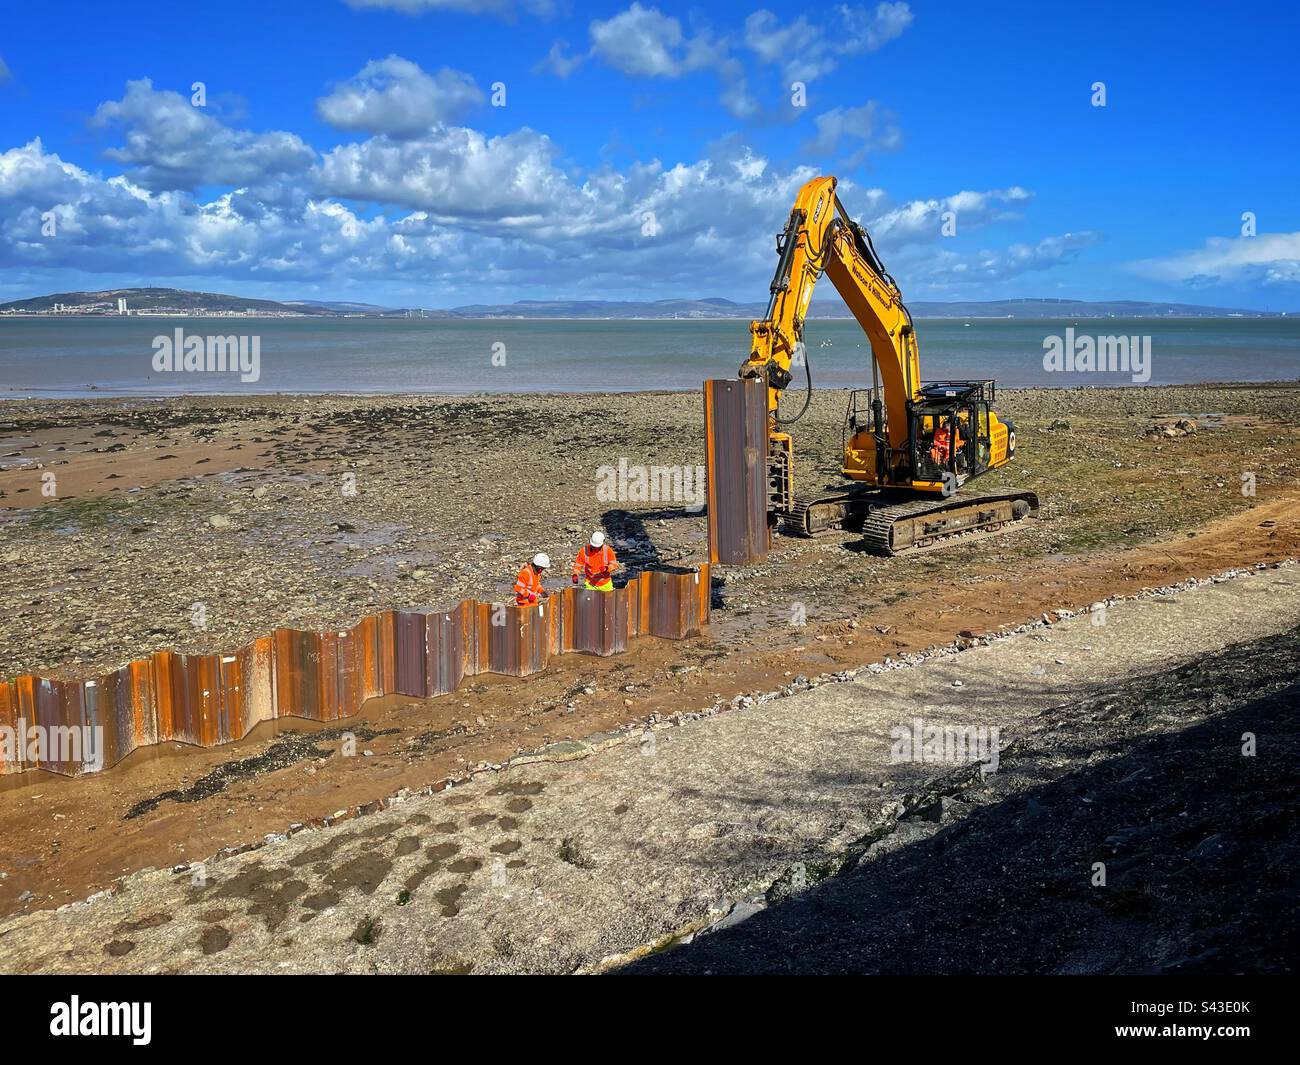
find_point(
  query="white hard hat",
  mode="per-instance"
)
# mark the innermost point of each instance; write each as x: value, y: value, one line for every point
x: 542, y: 560
x: 597, y: 539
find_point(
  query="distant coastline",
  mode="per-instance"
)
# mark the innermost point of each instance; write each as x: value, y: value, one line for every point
x: 180, y: 303
x: 918, y: 316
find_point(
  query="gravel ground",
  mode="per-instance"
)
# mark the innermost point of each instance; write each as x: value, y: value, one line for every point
x: 1145, y: 781
x: 144, y: 547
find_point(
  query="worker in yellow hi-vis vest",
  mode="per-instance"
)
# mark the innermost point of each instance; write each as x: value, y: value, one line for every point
x: 596, y: 564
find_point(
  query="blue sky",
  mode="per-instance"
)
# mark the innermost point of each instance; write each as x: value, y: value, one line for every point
x: 351, y: 149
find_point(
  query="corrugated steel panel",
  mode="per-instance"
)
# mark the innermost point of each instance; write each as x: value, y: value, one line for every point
x: 452, y: 643
x: 209, y: 700
x: 374, y: 639
x: 519, y: 638
x: 297, y: 673
x: 47, y: 712
x: 408, y: 643
x: 11, y: 759
x: 678, y: 603
x: 735, y: 445
x: 596, y: 623
x: 333, y: 666
x: 137, y: 686
x: 178, y: 697
x: 256, y: 664
x: 637, y: 606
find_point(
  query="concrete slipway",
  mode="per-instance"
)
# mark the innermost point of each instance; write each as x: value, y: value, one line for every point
x: 612, y: 849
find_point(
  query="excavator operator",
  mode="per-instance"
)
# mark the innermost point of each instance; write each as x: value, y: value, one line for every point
x: 946, y: 441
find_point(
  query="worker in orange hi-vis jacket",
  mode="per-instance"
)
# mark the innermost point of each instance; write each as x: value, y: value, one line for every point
x: 596, y: 564
x: 528, y: 585
x: 947, y: 440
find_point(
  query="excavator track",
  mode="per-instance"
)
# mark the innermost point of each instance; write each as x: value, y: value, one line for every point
x: 903, y: 527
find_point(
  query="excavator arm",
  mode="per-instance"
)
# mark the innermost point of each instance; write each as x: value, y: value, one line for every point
x: 821, y: 238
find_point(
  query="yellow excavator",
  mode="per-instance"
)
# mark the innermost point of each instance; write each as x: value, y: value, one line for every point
x: 909, y: 445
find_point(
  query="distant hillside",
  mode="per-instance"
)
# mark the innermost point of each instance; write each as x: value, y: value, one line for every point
x: 344, y: 307
x: 180, y: 301
x: 832, y: 308
x: 677, y: 308
x: 1052, y: 308
x: 154, y: 300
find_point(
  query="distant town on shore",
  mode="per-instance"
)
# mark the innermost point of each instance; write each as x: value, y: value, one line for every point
x: 173, y: 302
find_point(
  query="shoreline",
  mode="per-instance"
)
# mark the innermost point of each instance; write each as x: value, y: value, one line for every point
x: 252, y: 398
x: 444, y: 317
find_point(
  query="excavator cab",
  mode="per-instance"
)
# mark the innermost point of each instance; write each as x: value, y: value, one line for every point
x: 950, y: 434
x: 949, y: 440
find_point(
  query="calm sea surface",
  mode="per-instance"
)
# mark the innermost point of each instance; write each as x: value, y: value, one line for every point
x: 83, y: 356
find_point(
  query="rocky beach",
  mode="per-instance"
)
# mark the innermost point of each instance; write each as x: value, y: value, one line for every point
x: 199, y: 523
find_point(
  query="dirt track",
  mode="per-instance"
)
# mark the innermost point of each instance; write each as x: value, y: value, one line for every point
x: 97, y: 579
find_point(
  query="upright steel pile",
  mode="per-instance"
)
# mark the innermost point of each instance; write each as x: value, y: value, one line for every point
x: 208, y: 700
x: 735, y: 437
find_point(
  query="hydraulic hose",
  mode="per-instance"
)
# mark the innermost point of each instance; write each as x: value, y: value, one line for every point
x: 807, y: 399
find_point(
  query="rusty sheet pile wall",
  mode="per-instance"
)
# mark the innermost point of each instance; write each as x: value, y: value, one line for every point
x: 735, y: 448
x: 207, y: 700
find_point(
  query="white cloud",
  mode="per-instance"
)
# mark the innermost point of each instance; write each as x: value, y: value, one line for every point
x: 1268, y: 258
x: 5, y: 73
x: 559, y: 61
x: 922, y: 220
x: 114, y: 226
x: 859, y: 130
x: 171, y: 144
x: 806, y: 50
x: 449, y: 208
x: 645, y: 42
x: 496, y: 204
x: 394, y: 96
x: 799, y: 48
x: 868, y: 31
x: 943, y: 269
x: 453, y: 172
x: 642, y: 41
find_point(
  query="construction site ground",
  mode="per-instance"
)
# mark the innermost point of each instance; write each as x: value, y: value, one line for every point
x: 1139, y: 816
x: 451, y: 495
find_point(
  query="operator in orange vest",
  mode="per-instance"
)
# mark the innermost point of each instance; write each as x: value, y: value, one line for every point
x: 947, y: 440
x: 595, y: 564
x: 528, y: 585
